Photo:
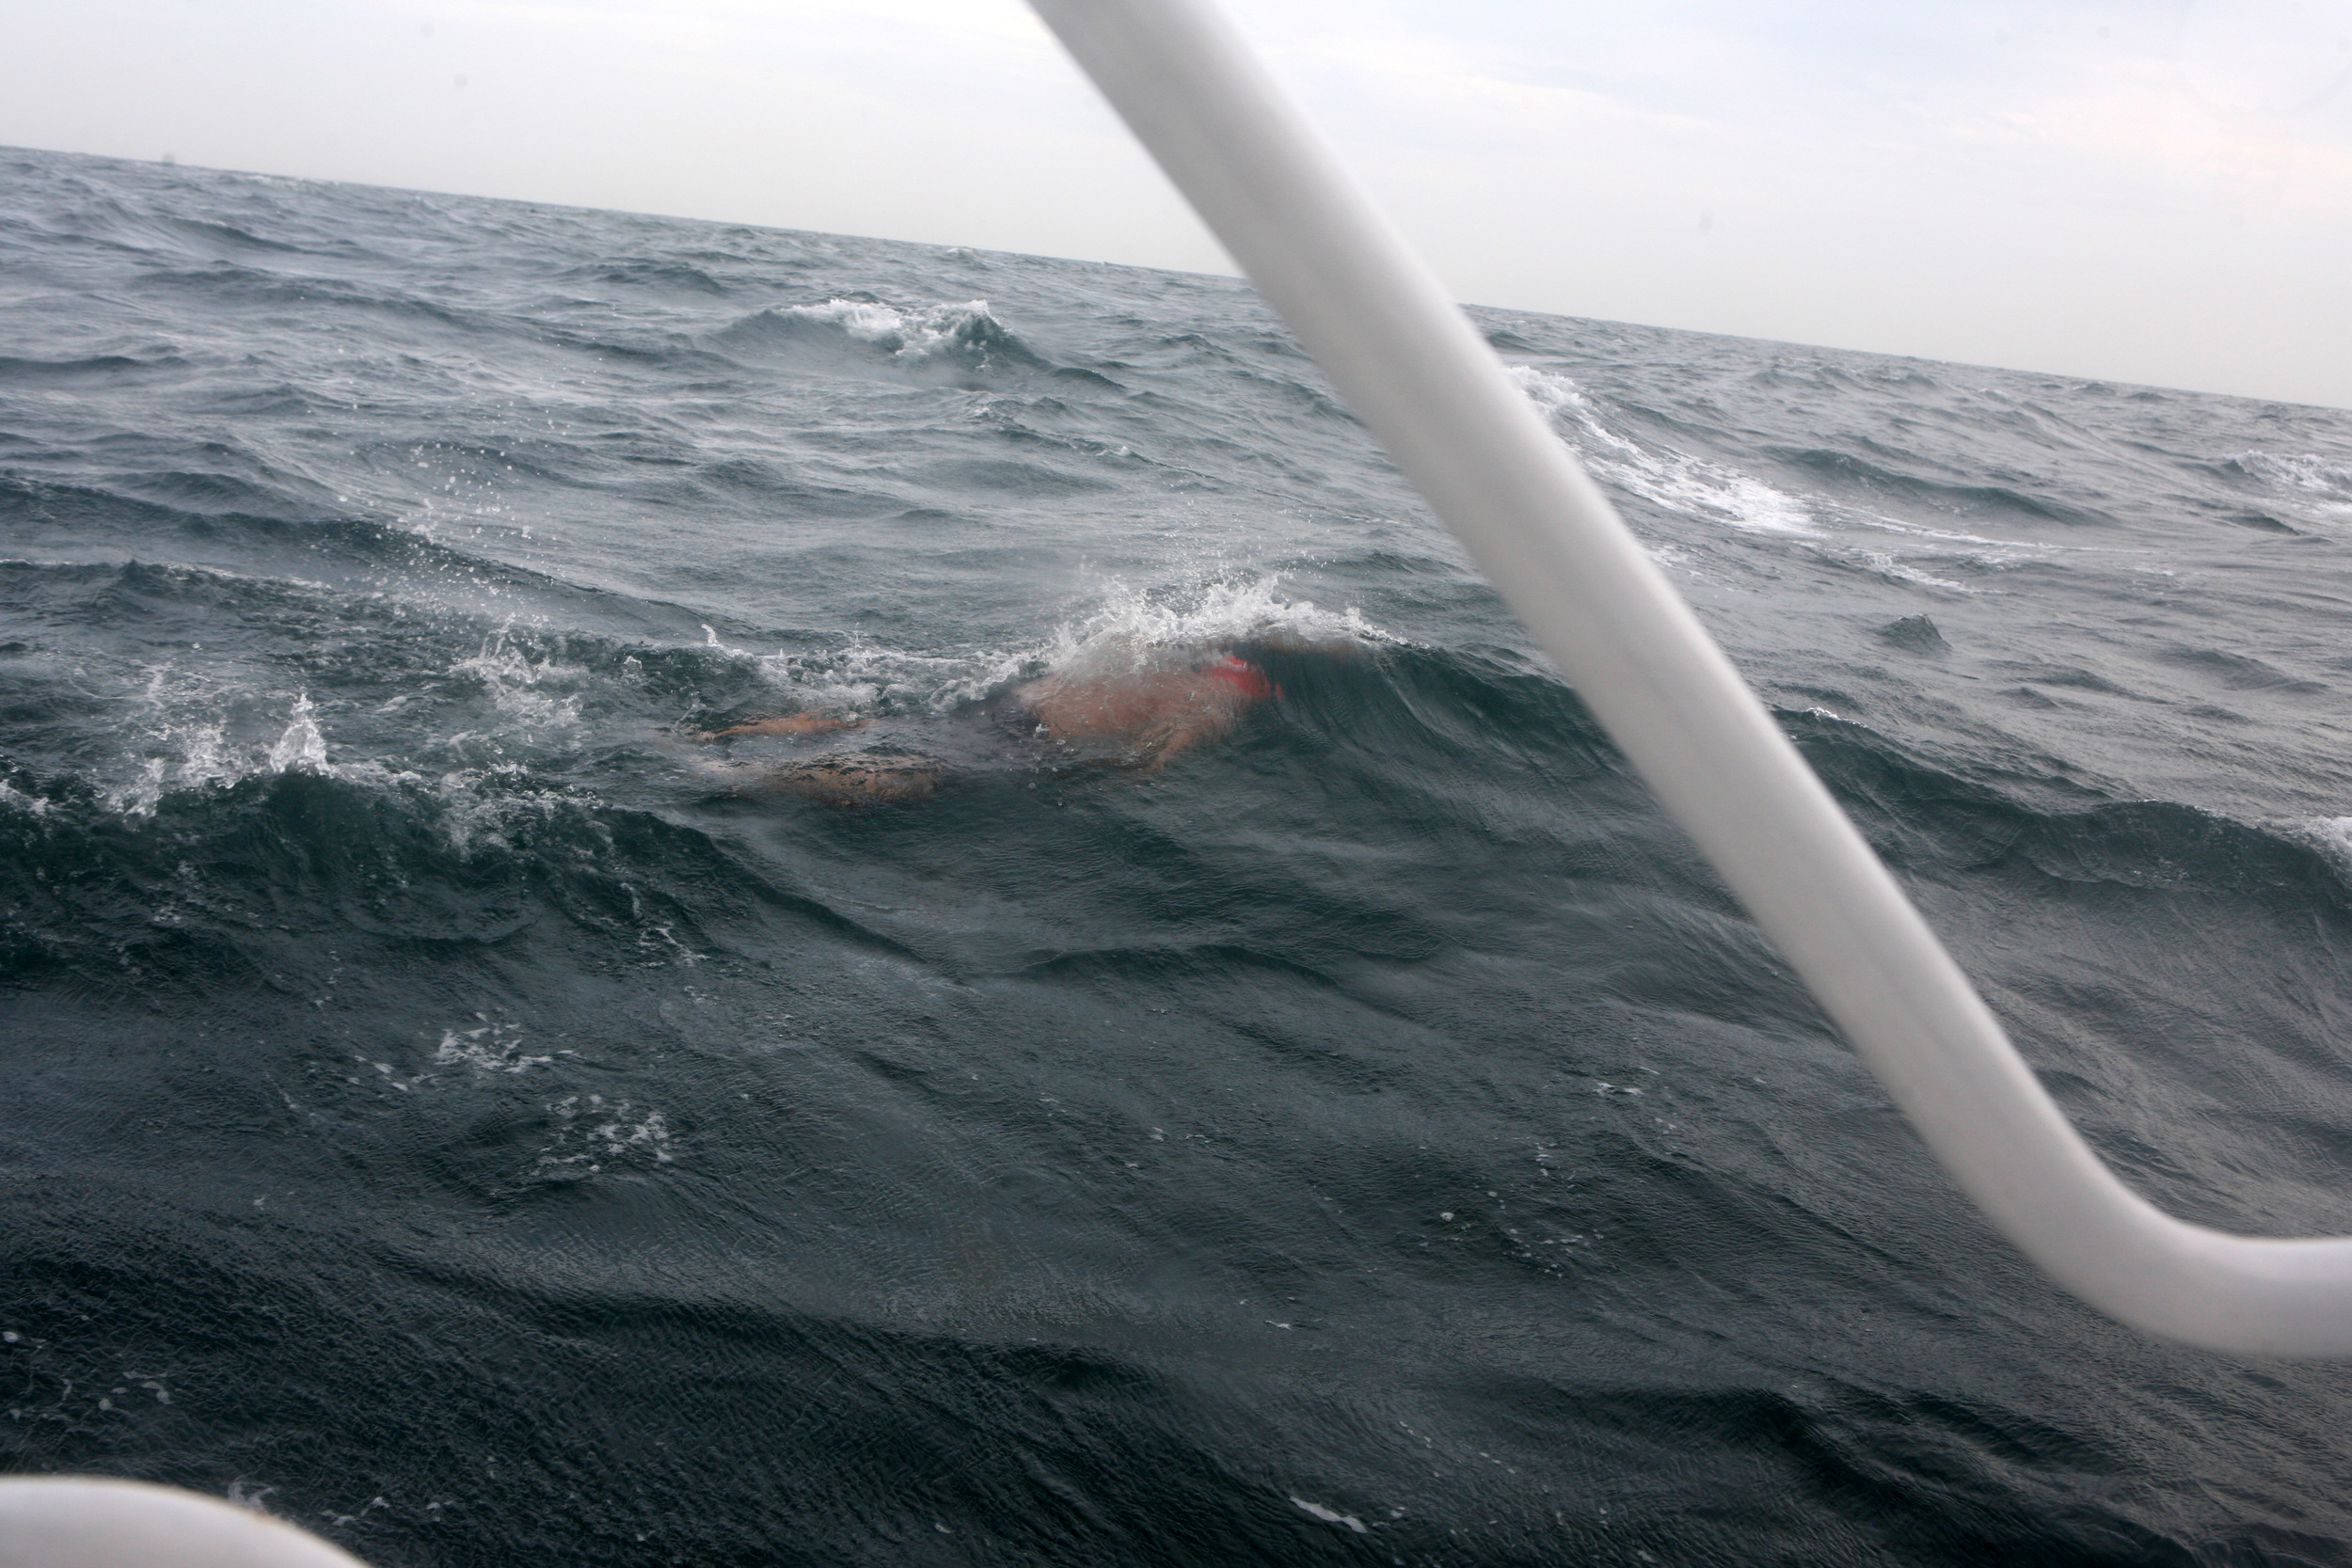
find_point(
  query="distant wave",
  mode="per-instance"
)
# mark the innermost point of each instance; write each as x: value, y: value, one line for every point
x: 964, y: 336
x: 1692, y: 486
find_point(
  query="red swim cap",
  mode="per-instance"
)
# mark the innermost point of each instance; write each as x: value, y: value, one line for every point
x: 1246, y: 676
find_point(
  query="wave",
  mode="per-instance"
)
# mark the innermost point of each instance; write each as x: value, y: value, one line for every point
x: 465, y: 860
x: 393, y: 684
x: 950, y: 336
x: 443, y: 697
x: 1932, y: 818
x: 2331, y: 835
x: 674, y: 276
x: 94, y: 369
x: 1690, y: 486
x: 2316, y: 484
x: 2307, y: 473
x: 280, y: 675
x: 1881, y: 481
x: 1127, y: 629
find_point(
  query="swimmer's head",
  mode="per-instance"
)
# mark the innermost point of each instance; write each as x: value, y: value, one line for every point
x: 1244, y: 676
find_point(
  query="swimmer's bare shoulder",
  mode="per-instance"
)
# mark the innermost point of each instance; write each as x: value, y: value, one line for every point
x: 790, y: 723
x: 1155, y: 712
x: 863, y: 780
x: 1136, y: 718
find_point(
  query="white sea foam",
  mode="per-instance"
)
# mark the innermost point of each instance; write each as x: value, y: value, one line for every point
x: 2322, y: 486
x: 301, y: 747
x: 538, y: 699
x: 1674, y: 480
x: 483, y: 807
x: 1946, y: 536
x: 858, y: 676
x: 2331, y: 835
x: 1548, y: 390
x: 904, y: 334
x: 2310, y: 473
x: 490, y: 1047
x: 593, y: 1131
x: 1330, y: 1515
x: 1971, y: 549
x: 1128, y: 626
x: 14, y: 799
x: 1226, y: 610
x: 184, y: 730
x: 184, y: 749
x: 1886, y: 565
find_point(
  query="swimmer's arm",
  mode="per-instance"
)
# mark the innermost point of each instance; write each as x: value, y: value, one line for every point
x: 1181, y: 735
x: 791, y: 724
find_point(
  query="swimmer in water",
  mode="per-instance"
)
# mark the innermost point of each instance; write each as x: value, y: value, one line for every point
x: 1136, y: 717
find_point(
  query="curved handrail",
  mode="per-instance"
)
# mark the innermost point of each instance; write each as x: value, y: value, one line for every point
x: 1408, y: 360
x: 106, y: 1522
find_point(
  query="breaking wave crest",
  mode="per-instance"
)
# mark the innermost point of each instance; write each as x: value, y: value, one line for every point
x: 962, y: 336
x: 1704, y: 491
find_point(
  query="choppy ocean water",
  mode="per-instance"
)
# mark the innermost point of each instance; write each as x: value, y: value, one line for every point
x: 442, y: 1107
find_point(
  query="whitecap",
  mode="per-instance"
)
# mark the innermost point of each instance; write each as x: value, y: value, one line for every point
x: 1676, y: 480
x: 1330, y: 1515
x: 2331, y: 835
x: 529, y: 694
x: 908, y: 334
x: 301, y: 748
x: 1127, y: 627
x: 2309, y: 473
x: 16, y: 800
x: 593, y: 1131
x: 491, y: 1048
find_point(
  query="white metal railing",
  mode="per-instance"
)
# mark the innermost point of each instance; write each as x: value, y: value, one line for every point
x: 99, y: 1522
x: 1408, y: 360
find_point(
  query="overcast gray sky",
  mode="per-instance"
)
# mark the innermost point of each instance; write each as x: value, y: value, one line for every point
x: 2157, y: 192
